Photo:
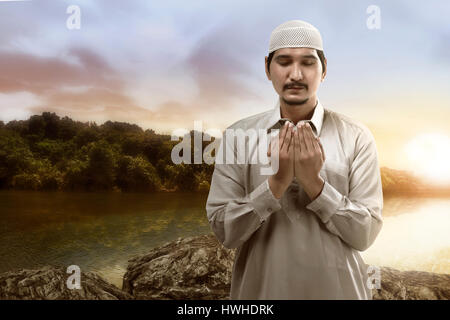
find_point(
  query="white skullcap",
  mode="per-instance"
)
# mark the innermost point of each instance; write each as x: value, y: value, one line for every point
x: 295, y: 34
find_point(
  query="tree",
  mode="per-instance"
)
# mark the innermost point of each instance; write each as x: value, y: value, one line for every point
x: 51, y: 125
x: 101, y: 166
x: 18, y: 126
x: 137, y: 174
x: 87, y: 135
x: 68, y: 128
x: 15, y: 157
x: 132, y: 144
x: 36, y: 126
x: 185, y: 178
x: 75, y: 176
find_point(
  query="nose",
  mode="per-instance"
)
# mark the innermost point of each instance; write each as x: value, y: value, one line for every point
x: 296, y: 73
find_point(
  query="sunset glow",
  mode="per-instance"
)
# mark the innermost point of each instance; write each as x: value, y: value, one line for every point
x: 429, y: 153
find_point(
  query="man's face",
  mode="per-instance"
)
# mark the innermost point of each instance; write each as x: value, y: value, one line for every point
x: 295, y: 74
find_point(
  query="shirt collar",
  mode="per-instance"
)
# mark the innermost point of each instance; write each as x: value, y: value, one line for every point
x: 276, y: 122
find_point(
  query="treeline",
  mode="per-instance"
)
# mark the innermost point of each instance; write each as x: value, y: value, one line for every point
x: 47, y: 152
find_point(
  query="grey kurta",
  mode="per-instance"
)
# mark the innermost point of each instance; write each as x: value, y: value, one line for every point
x: 293, y: 248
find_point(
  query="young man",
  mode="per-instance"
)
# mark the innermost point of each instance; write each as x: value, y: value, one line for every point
x: 299, y: 230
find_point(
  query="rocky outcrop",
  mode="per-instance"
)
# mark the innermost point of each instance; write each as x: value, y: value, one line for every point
x: 191, y: 268
x: 412, y: 285
x: 200, y: 268
x: 49, y: 283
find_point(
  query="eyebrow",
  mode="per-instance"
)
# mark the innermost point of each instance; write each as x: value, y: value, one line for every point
x: 286, y: 56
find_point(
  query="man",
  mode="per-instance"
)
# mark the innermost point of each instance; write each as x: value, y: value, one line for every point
x: 299, y: 230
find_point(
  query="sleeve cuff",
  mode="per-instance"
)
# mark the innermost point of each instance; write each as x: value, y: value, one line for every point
x: 263, y: 201
x: 327, y: 203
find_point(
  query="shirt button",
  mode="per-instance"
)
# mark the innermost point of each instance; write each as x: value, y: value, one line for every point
x: 269, y: 209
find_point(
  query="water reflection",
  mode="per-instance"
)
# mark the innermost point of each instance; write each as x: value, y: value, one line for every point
x: 417, y: 238
x: 100, y: 232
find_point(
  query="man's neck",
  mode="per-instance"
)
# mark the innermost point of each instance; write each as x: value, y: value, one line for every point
x: 299, y: 112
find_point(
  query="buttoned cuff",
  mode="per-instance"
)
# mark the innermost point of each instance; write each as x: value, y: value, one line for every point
x: 263, y: 201
x: 327, y: 203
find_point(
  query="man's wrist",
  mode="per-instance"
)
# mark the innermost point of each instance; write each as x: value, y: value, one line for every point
x: 275, y: 188
x: 314, y: 188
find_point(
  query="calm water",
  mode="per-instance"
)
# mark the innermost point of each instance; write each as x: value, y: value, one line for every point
x: 100, y: 231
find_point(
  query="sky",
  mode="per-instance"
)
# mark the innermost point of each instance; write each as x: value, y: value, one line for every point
x: 165, y: 64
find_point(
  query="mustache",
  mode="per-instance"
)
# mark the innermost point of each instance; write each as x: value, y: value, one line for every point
x: 296, y: 84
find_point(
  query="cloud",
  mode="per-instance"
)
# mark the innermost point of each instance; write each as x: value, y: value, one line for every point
x: 223, y: 77
x: 39, y: 75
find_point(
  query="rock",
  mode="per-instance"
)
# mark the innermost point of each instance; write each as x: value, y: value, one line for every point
x: 201, y: 268
x: 49, y: 283
x: 412, y: 285
x: 191, y: 268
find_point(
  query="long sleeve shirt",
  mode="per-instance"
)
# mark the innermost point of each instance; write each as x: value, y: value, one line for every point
x: 295, y: 248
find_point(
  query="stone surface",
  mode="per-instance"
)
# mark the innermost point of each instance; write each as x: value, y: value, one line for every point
x: 191, y: 268
x: 49, y: 283
x: 200, y: 268
x: 412, y: 285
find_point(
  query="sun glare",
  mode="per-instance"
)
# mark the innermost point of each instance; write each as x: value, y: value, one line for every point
x: 429, y: 155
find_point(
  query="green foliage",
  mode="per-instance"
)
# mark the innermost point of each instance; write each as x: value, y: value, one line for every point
x: 202, y: 181
x: 47, y: 152
x: 15, y: 157
x: 86, y: 135
x: 137, y: 174
x: 26, y: 181
x: 184, y: 177
x: 53, y: 150
x: 49, y: 176
x: 101, y: 165
x: 132, y: 144
x: 75, y: 176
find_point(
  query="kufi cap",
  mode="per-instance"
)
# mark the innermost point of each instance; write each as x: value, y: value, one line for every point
x: 295, y: 34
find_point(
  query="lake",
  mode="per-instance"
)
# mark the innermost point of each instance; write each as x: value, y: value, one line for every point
x: 100, y: 232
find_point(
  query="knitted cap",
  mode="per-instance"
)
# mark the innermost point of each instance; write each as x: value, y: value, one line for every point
x: 295, y: 34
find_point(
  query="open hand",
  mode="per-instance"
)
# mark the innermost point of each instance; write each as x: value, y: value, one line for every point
x: 281, y: 180
x: 308, y: 160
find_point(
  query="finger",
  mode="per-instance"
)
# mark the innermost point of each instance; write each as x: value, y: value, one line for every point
x: 292, y: 146
x: 297, y: 141
x: 291, y: 138
x: 273, y: 140
x: 274, y: 145
x: 287, y: 138
x: 303, y: 146
x: 313, y: 139
x: 283, y: 133
x: 309, y: 142
x: 321, y: 149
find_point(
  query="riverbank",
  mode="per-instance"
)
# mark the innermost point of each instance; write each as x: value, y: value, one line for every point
x: 189, y: 268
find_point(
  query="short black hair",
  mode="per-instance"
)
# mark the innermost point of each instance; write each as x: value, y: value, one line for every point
x: 319, y: 53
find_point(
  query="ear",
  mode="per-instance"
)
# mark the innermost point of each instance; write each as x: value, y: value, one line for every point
x: 266, y: 68
x: 324, y: 73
